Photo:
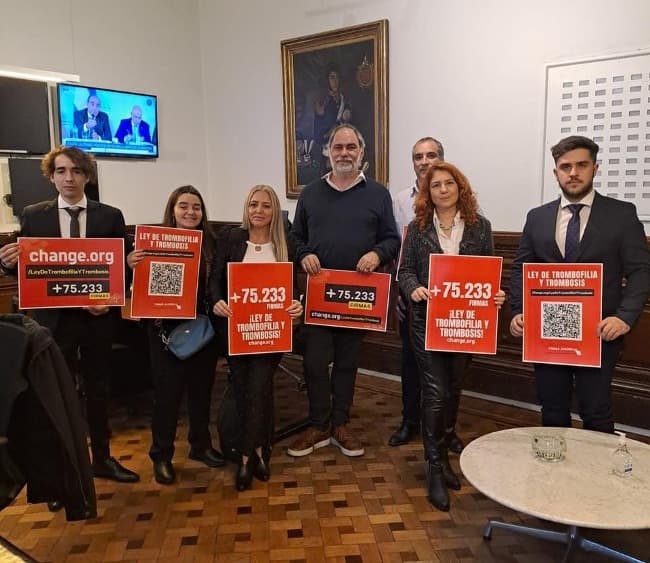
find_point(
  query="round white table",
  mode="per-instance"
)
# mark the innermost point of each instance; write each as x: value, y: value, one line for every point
x: 579, y: 491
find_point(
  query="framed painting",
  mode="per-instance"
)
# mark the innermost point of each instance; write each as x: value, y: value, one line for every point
x: 329, y: 78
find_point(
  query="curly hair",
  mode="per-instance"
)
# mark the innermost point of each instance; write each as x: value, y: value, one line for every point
x: 82, y: 160
x: 467, y: 204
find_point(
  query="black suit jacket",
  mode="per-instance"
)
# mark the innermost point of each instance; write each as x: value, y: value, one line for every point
x: 42, y: 220
x: 102, y: 128
x: 126, y: 128
x: 42, y: 417
x: 614, y: 236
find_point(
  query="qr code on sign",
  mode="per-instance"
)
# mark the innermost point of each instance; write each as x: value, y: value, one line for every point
x: 166, y: 278
x: 562, y: 321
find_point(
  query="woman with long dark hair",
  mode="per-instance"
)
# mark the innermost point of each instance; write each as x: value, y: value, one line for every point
x: 446, y: 221
x: 171, y: 376
x: 261, y: 238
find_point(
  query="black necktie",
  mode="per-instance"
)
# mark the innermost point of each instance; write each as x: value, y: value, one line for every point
x: 572, y: 231
x: 74, y: 221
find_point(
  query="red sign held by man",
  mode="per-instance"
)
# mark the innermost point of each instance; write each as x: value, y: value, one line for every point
x: 562, y: 309
x: 348, y: 299
x: 70, y: 272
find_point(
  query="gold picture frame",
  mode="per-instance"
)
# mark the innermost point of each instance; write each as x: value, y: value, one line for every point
x: 329, y: 78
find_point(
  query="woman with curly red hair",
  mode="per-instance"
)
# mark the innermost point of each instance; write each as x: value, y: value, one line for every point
x: 447, y: 221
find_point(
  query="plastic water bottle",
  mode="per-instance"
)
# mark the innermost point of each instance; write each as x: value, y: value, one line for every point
x: 621, y: 458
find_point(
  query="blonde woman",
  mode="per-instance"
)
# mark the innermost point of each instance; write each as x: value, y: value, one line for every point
x: 261, y: 238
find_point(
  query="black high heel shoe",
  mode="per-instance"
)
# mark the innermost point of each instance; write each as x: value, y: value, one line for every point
x: 261, y: 469
x: 244, y: 477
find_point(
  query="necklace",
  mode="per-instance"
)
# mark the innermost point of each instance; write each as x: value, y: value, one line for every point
x: 448, y: 227
x: 257, y: 246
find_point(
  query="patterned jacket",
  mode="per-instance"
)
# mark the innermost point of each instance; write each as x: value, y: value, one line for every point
x: 418, y: 245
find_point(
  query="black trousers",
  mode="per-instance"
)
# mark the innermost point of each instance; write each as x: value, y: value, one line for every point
x: 171, y: 377
x: 330, y: 397
x: 411, y: 395
x: 441, y: 379
x: 555, y: 385
x: 85, y: 341
x: 252, y: 380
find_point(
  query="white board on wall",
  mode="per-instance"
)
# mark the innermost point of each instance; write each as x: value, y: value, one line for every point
x: 607, y: 100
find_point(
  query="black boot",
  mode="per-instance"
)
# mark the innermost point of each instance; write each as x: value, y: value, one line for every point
x: 163, y: 472
x: 261, y: 470
x: 403, y: 434
x: 244, y: 478
x: 437, y: 490
x: 451, y: 479
x: 454, y: 443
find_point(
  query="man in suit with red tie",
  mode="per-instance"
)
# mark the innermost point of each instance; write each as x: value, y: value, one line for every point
x: 83, y: 334
x: 586, y: 227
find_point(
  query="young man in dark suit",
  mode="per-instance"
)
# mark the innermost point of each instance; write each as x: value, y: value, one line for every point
x: 584, y: 227
x: 81, y: 333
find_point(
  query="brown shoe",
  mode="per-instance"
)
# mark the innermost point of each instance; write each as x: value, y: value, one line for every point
x: 346, y: 442
x: 310, y: 440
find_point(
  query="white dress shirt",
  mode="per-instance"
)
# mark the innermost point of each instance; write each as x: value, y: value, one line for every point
x: 403, y: 207
x: 64, y: 217
x: 360, y: 178
x: 564, y: 216
x: 450, y: 238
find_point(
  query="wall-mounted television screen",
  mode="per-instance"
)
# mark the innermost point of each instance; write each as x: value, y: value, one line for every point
x: 24, y: 116
x: 28, y: 185
x: 108, y: 122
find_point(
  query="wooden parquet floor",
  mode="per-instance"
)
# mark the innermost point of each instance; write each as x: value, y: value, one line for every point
x: 320, y: 508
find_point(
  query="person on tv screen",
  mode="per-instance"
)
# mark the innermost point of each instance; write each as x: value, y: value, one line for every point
x: 133, y: 129
x: 91, y: 123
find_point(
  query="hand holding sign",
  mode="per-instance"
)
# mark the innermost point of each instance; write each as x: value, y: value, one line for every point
x: 462, y: 308
x: 259, y: 307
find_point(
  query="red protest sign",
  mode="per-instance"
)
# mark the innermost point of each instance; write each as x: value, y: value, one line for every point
x: 258, y: 295
x: 348, y: 299
x: 562, y: 306
x: 461, y: 314
x: 70, y: 272
x: 166, y: 280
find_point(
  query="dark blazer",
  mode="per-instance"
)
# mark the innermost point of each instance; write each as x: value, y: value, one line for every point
x: 102, y: 128
x: 418, y: 245
x: 126, y: 128
x: 42, y: 220
x: 614, y: 236
x: 231, y: 247
x: 41, y: 415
